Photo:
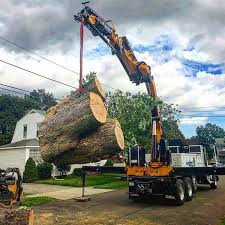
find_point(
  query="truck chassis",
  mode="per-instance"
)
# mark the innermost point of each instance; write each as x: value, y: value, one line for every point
x: 179, y: 186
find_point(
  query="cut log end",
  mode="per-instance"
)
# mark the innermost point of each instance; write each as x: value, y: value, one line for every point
x: 98, y: 108
x: 99, y: 87
x: 31, y: 217
x: 119, y: 137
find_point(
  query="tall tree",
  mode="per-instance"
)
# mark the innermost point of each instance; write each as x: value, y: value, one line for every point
x: 12, y: 108
x: 134, y: 114
x: 207, y: 134
x: 45, y: 99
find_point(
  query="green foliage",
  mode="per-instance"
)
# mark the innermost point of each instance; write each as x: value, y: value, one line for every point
x: 109, y: 162
x: 45, y: 99
x: 30, y: 173
x: 89, y: 78
x: 63, y: 169
x: 113, y: 185
x: 12, y: 108
x: 134, y: 114
x: 32, y: 201
x: 77, y: 172
x: 207, y: 134
x: 96, y: 181
x: 44, y: 170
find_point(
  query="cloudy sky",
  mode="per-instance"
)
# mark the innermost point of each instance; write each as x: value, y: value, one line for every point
x: 183, y: 42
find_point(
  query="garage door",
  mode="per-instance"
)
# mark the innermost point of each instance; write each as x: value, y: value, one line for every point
x: 13, y: 158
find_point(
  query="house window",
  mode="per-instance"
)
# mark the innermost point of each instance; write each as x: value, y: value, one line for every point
x: 38, y: 128
x: 35, y: 155
x: 25, y: 131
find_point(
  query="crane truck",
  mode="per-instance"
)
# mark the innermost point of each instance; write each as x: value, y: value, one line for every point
x: 158, y: 175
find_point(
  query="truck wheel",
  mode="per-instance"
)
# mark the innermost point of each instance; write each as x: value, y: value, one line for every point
x: 179, y: 192
x: 188, y: 189
x: 214, y: 184
x: 194, y: 184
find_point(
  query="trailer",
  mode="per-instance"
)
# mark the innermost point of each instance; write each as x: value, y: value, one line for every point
x: 191, y: 168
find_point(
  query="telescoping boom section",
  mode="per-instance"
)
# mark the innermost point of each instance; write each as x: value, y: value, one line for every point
x: 138, y: 72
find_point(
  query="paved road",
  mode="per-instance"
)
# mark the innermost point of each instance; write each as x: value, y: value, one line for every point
x: 59, y: 192
x: 206, y: 208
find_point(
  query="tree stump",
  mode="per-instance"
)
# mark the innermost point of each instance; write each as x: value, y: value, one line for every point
x: 15, y: 216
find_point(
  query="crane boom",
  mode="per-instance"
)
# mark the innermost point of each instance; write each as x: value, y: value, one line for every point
x: 138, y: 72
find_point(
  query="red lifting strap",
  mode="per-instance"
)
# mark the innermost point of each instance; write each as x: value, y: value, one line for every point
x: 81, y: 54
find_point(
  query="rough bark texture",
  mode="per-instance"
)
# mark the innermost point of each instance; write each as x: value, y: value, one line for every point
x: 105, y: 143
x: 95, y: 87
x: 15, y: 216
x: 68, y: 121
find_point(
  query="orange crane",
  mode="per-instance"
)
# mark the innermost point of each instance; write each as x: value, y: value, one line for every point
x: 157, y: 176
x: 138, y: 72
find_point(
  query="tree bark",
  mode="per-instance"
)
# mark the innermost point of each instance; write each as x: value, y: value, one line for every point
x: 93, y: 86
x: 14, y: 216
x: 105, y: 143
x: 68, y: 121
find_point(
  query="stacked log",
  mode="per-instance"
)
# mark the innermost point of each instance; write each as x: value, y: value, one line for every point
x: 107, y: 141
x: 77, y: 129
x: 11, y: 215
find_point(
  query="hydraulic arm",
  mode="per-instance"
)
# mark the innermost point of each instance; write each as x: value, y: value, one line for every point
x: 138, y: 72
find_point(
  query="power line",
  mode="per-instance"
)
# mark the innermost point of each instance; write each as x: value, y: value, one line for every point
x: 203, y: 116
x: 17, y: 92
x: 37, y: 74
x: 218, y: 106
x: 42, y: 57
x: 33, y: 53
x: 13, y: 87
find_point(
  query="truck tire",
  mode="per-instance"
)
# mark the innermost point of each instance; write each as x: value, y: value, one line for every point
x: 214, y: 184
x: 194, y: 184
x: 188, y: 189
x: 179, y: 192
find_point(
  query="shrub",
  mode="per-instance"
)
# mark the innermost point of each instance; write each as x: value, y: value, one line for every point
x: 30, y: 173
x: 109, y: 163
x: 63, y: 169
x: 44, y: 170
x: 77, y: 172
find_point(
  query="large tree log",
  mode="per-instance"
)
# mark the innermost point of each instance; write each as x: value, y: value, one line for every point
x: 15, y: 216
x: 68, y: 121
x: 105, y: 143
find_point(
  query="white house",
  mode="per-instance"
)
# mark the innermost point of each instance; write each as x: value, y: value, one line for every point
x: 25, y: 144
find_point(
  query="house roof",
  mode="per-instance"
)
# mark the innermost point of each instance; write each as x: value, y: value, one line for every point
x: 43, y: 112
x: 23, y: 143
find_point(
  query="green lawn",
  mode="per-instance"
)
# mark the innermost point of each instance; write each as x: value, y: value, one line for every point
x: 28, y: 202
x: 223, y: 222
x: 101, y: 181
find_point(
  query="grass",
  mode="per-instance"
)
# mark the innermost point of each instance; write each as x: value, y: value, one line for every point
x: 223, y: 222
x: 113, y: 185
x: 28, y: 202
x: 112, y: 181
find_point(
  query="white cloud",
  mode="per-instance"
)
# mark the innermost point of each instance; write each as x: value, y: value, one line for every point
x: 193, y: 121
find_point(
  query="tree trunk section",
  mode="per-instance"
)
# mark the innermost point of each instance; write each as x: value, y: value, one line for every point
x: 105, y: 143
x: 94, y: 86
x: 68, y: 121
x: 15, y: 216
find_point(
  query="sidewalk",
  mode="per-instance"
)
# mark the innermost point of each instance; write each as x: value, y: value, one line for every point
x: 59, y: 192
